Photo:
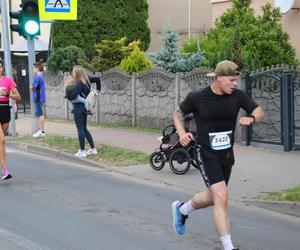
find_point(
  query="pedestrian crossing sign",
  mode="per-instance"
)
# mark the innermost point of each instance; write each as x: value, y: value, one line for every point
x: 58, y: 9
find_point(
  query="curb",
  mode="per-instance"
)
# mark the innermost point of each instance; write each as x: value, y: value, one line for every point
x: 283, y: 207
x: 55, y: 154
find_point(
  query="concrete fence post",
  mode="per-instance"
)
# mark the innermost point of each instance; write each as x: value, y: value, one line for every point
x: 177, y: 90
x: 133, y: 92
x: 97, y: 111
x: 67, y: 109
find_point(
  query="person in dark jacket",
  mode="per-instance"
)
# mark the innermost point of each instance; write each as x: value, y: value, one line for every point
x: 71, y: 91
x: 83, y: 88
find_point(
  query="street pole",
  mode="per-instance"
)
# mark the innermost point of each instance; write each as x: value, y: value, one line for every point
x: 7, y: 61
x: 189, y: 26
x: 31, y: 61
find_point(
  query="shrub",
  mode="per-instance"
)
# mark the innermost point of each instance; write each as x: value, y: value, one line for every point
x: 136, y: 62
x: 65, y: 58
x: 103, y: 20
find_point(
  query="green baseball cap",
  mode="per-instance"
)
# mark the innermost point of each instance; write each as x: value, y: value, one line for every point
x: 225, y: 68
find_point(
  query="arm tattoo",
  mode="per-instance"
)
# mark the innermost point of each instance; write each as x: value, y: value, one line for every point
x: 179, y: 116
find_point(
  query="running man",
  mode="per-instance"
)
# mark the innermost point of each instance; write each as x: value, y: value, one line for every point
x: 8, y: 89
x: 215, y: 109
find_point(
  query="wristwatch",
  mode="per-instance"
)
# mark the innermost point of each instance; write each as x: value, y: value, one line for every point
x: 7, y: 94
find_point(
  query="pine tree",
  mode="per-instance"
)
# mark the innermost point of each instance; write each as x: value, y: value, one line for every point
x: 169, y: 57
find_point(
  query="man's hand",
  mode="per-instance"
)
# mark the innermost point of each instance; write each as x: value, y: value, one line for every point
x: 186, y: 138
x: 246, y: 121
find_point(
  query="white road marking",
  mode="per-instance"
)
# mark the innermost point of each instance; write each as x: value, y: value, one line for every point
x: 9, y: 150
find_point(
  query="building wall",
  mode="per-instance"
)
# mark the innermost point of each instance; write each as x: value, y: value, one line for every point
x: 290, y: 20
x: 176, y: 13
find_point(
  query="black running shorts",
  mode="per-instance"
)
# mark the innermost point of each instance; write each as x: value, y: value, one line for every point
x: 4, y: 114
x: 214, y: 165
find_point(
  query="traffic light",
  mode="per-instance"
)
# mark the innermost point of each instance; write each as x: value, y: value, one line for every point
x: 16, y: 27
x: 28, y: 19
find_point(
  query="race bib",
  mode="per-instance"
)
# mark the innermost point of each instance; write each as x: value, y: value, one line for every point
x: 220, y: 140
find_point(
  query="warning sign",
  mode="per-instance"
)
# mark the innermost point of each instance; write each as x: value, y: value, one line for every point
x: 58, y: 6
x: 58, y: 9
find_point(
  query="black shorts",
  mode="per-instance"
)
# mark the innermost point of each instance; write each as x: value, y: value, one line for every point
x: 4, y: 114
x: 214, y: 165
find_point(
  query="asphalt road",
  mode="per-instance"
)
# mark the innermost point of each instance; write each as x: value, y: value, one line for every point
x: 51, y: 204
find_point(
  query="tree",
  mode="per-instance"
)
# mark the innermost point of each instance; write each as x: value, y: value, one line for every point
x: 103, y: 20
x: 109, y: 54
x: 136, y: 62
x: 251, y: 41
x: 64, y: 59
x: 170, y: 59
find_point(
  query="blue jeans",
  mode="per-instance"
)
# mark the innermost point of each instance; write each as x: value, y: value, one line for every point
x: 80, y: 118
x: 80, y: 99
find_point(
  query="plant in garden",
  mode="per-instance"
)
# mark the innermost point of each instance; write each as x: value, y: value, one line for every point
x: 109, y: 54
x: 63, y: 59
x: 136, y: 62
x: 170, y: 58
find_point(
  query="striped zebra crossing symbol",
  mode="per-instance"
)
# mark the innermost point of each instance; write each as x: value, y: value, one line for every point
x: 58, y: 6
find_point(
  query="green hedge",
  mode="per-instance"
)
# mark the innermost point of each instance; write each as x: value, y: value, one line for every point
x: 102, y: 19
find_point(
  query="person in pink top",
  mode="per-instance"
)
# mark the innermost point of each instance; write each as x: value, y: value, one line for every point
x: 8, y: 89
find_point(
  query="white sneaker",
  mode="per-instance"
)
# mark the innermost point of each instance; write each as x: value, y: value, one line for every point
x: 92, y: 151
x: 39, y: 133
x: 81, y: 153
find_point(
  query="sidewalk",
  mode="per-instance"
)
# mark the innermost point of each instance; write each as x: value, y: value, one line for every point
x: 256, y: 170
x: 116, y: 137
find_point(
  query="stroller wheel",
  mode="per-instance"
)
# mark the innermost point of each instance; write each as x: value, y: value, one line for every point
x: 157, y: 160
x: 180, y: 161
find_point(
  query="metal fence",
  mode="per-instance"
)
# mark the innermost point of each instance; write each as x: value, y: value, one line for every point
x: 277, y: 91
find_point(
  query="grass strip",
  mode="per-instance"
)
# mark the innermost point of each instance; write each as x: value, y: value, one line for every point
x: 107, y: 154
x: 292, y: 194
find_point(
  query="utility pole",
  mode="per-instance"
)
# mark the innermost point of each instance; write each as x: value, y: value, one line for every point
x: 7, y: 60
x: 28, y: 27
x: 31, y: 61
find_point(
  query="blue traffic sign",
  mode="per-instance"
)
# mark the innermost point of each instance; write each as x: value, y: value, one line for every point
x: 58, y: 6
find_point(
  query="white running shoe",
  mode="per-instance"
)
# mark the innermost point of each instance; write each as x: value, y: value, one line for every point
x: 39, y: 133
x: 6, y: 175
x: 92, y: 151
x: 81, y: 153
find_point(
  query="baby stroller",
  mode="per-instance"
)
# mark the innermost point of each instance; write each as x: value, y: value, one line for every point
x: 180, y: 158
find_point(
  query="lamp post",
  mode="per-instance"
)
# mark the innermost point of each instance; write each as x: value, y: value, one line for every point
x: 189, y: 25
